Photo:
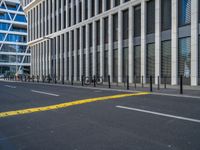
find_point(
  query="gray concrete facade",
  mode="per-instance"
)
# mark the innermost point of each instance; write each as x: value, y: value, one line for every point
x: 92, y: 39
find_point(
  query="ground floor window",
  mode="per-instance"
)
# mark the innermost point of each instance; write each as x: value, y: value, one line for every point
x: 115, y: 65
x: 150, y: 61
x: 184, y: 59
x: 166, y: 62
x: 105, y: 65
x: 98, y: 64
x: 137, y: 63
x: 125, y: 64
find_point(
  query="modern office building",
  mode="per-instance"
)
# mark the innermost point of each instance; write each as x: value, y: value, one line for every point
x: 138, y: 38
x: 14, y: 52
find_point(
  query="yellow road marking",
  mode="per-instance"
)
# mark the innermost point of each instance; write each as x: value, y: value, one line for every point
x: 67, y: 104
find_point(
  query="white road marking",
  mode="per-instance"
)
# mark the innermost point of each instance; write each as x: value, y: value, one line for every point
x: 9, y: 86
x: 41, y: 92
x: 160, y: 114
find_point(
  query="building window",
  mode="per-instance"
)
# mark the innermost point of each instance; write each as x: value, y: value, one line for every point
x: 199, y: 59
x: 93, y: 7
x: 98, y: 33
x: 125, y: 24
x: 105, y: 65
x: 125, y: 64
x: 107, y: 4
x: 150, y: 60
x: 184, y: 12
x: 137, y: 63
x: 115, y: 65
x: 115, y: 27
x: 100, y: 6
x: 184, y: 57
x: 90, y: 35
x: 165, y: 15
x: 137, y: 21
x: 117, y: 2
x: 106, y: 30
x: 166, y: 60
x: 199, y: 10
x: 151, y: 17
x: 98, y: 64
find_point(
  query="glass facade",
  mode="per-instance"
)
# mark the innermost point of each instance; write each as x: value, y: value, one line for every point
x: 184, y: 57
x: 166, y: 15
x: 13, y: 38
x: 184, y: 12
x: 137, y: 63
x: 150, y: 60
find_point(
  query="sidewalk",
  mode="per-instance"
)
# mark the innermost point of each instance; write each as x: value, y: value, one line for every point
x: 189, y: 91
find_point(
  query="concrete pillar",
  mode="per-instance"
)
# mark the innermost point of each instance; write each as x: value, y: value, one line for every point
x: 47, y: 57
x: 112, y: 3
x: 157, y: 41
x: 70, y: 55
x: 110, y: 47
x: 94, y: 50
x: 194, y: 42
x: 65, y: 56
x: 102, y: 47
x: 103, y: 5
x: 72, y: 12
x: 61, y: 58
x: 120, y: 47
x: 77, y: 11
x: 83, y: 10
x: 50, y: 56
x: 57, y: 15
x: 43, y: 59
x: 39, y: 20
x: 81, y: 52
x: 75, y: 55
x: 174, y: 51
x: 49, y: 16
x: 57, y: 58
x: 67, y: 14
x: 89, y: 8
x: 62, y: 14
x: 53, y: 13
x: 143, y: 40
x: 45, y: 19
x: 87, y: 51
x: 130, y: 53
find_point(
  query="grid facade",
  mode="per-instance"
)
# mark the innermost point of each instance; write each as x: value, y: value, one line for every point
x: 14, y: 52
x: 120, y: 38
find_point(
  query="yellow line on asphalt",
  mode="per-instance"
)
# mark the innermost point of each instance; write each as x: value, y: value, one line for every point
x: 68, y: 104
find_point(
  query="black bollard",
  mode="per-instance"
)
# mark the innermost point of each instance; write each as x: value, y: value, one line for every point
x: 94, y: 81
x: 181, y: 84
x: 82, y: 80
x: 127, y: 84
x: 109, y: 82
x: 151, y: 86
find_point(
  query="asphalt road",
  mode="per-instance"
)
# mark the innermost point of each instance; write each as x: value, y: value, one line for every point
x: 138, y: 122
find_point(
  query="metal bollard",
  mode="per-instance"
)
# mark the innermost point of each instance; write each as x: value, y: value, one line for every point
x: 181, y: 84
x: 151, y: 86
x: 109, y: 82
x: 94, y: 81
x: 82, y: 80
x: 127, y: 85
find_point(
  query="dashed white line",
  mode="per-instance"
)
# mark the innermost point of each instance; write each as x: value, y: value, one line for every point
x: 9, y: 86
x: 41, y: 92
x: 160, y: 114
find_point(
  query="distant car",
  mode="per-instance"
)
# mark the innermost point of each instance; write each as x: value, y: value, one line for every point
x: 2, y: 76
